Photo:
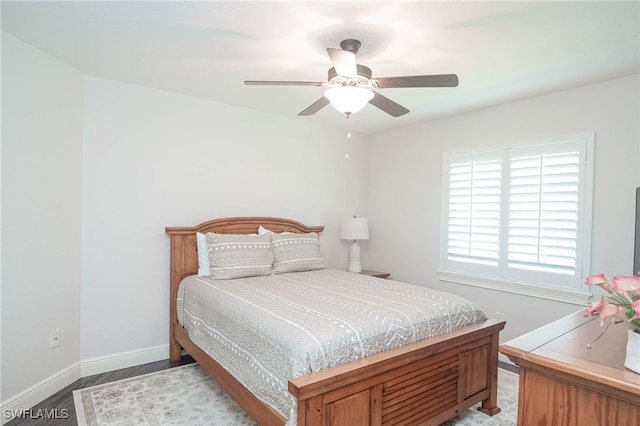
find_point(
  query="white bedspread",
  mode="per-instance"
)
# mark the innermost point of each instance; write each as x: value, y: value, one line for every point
x: 267, y: 330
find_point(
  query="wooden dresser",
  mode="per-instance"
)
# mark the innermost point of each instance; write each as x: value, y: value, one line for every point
x: 564, y: 383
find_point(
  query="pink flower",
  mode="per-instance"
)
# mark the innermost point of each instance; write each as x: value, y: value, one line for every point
x: 636, y: 307
x: 596, y: 279
x: 612, y: 311
x: 596, y: 307
x: 622, y: 303
x: 599, y: 280
x: 627, y: 284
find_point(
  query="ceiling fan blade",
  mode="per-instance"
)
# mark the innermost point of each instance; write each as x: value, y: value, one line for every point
x: 441, y: 80
x: 283, y: 83
x: 344, y: 62
x: 387, y: 105
x: 315, y: 107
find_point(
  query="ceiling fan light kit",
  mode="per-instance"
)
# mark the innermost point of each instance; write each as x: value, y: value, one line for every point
x: 351, y: 85
x: 348, y: 99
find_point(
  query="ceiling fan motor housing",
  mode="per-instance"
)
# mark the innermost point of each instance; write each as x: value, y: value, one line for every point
x: 364, y: 75
x: 351, y: 45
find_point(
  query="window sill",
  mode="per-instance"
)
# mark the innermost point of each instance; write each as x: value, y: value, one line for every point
x: 575, y: 297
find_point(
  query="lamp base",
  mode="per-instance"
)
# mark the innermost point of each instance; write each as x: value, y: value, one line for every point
x: 354, y: 258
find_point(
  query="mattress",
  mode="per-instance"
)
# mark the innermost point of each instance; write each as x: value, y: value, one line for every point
x: 266, y: 330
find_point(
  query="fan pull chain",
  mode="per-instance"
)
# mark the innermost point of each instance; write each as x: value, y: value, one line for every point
x: 348, y: 133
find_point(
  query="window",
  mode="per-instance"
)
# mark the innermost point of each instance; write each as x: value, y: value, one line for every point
x: 519, y: 218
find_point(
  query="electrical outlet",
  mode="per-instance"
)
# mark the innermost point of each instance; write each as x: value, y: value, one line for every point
x: 54, y: 338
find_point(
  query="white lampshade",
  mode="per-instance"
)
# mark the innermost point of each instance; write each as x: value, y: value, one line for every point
x: 355, y: 228
x: 348, y: 99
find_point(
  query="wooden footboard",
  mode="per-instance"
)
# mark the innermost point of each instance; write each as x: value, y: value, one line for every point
x: 426, y: 382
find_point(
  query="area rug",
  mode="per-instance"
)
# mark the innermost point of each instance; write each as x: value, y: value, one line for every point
x: 186, y: 395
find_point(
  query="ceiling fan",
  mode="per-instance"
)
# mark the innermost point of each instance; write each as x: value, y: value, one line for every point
x: 350, y: 85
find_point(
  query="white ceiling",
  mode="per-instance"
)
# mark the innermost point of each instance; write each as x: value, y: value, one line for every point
x: 501, y: 51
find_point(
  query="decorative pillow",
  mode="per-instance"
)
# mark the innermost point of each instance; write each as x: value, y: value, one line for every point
x: 296, y: 252
x: 203, y: 255
x: 238, y: 256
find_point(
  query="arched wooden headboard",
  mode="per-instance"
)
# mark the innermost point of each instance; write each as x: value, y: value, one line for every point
x: 184, y: 252
x: 184, y: 247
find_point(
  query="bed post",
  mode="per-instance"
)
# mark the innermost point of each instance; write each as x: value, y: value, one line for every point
x: 175, y: 350
x: 490, y: 405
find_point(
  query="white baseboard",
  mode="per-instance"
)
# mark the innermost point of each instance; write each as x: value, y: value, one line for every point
x: 39, y: 392
x: 99, y: 365
x: 63, y: 378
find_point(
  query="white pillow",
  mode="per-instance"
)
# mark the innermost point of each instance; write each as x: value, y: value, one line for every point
x: 264, y: 231
x: 204, y: 269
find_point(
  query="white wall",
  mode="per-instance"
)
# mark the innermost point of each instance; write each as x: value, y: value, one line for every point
x: 92, y: 172
x: 41, y: 216
x: 405, y: 176
x: 154, y: 159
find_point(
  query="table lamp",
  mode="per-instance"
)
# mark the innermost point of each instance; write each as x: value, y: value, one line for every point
x: 355, y: 228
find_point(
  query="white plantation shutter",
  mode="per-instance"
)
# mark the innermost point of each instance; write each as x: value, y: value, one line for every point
x: 543, y: 212
x: 519, y: 213
x: 474, y: 211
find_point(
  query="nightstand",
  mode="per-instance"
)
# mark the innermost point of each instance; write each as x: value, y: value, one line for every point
x: 375, y: 273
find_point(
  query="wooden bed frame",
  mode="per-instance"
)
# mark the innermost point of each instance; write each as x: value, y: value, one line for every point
x: 426, y: 382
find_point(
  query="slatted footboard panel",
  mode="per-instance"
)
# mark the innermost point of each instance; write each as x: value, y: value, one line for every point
x: 416, y: 388
x: 417, y: 395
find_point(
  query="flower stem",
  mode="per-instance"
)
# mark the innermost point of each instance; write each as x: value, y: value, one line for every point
x: 621, y: 298
x: 599, y: 336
